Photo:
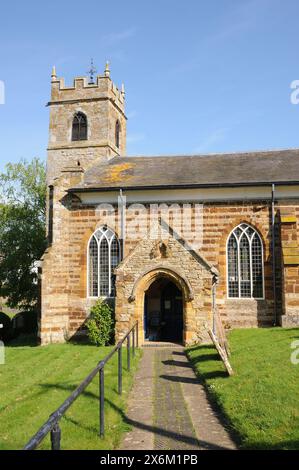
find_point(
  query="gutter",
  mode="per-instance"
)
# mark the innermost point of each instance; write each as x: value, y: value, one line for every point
x: 182, y: 186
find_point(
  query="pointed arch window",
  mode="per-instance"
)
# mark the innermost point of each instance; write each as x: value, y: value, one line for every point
x: 117, y: 133
x: 79, y: 128
x: 103, y: 257
x: 245, y: 266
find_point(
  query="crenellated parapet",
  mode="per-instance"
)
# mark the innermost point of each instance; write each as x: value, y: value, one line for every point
x: 83, y: 90
x: 97, y: 102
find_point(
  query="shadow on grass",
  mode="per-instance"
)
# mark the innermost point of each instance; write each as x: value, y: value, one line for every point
x: 202, y: 378
x: 285, y: 330
x: 87, y: 394
x: 80, y: 341
x: 188, y: 440
x: 282, y: 445
x: 159, y: 431
x: 68, y: 388
x: 22, y: 341
x: 80, y: 425
x: 206, y: 357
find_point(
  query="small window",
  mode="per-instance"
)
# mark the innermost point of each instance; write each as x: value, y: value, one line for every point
x: 117, y: 133
x: 245, y: 271
x: 79, y: 129
x: 103, y: 257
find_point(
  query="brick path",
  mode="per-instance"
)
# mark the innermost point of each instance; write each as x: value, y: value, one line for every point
x: 168, y: 408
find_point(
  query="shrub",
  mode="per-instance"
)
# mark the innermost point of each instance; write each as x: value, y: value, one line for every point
x: 101, y: 324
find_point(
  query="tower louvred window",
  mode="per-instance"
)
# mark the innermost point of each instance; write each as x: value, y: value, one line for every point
x: 79, y: 129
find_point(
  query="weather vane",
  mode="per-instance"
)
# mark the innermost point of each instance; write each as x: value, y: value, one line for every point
x: 91, y: 72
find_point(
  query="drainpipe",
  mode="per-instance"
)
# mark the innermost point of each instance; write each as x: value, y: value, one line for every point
x: 273, y: 255
x: 122, y: 207
x: 214, y: 287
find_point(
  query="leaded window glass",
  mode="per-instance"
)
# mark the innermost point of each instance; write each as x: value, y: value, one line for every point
x: 103, y: 257
x: 245, y: 263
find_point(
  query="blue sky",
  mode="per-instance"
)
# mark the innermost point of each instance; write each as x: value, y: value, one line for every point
x: 200, y: 76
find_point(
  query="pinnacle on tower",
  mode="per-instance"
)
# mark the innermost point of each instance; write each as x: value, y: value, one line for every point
x: 53, y: 74
x: 107, y: 69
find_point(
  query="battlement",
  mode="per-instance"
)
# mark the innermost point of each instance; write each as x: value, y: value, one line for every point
x: 102, y: 106
x: 83, y: 90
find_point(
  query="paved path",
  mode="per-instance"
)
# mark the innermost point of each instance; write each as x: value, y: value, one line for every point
x: 168, y: 408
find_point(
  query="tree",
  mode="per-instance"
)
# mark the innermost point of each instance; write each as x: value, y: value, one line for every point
x: 22, y: 230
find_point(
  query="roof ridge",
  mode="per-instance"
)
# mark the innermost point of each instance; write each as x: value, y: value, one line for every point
x: 220, y: 154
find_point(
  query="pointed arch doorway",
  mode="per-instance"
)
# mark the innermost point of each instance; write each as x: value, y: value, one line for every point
x: 169, y: 279
x: 163, y: 311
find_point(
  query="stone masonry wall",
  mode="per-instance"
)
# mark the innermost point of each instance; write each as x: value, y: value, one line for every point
x: 65, y: 305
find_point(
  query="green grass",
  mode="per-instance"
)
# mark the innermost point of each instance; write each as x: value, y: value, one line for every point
x: 261, y: 401
x: 36, y: 380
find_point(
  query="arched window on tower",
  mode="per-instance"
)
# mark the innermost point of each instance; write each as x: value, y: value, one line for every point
x: 245, y: 269
x: 117, y: 134
x: 103, y: 257
x: 79, y: 128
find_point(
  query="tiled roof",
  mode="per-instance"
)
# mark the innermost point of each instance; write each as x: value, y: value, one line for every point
x: 252, y: 168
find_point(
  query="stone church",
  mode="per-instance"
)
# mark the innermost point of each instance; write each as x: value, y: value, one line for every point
x: 169, y: 240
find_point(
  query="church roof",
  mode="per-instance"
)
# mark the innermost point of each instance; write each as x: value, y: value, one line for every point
x: 234, y: 169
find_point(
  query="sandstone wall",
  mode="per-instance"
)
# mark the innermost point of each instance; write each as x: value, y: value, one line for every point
x: 65, y: 304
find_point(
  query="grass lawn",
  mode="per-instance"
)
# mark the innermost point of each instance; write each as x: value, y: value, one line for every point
x: 261, y: 401
x: 36, y: 380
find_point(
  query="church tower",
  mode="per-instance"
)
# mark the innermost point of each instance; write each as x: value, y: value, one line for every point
x: 87, y: 122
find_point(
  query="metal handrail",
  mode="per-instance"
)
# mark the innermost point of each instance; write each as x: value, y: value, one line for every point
x: 52, y: 424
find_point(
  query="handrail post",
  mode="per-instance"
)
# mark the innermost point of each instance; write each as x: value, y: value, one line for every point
x: 133, y: 341
x: 120, y: 371
x: 55, y: 437
x: 128, y: 353
x: 102, y: 402
x: 136, y: 326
